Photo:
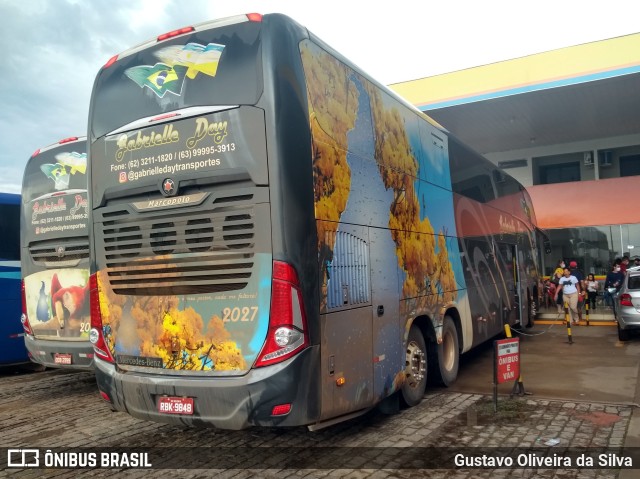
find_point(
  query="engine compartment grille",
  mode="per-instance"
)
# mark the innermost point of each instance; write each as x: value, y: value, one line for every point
x: 205, y: 249
x: 60, y: 253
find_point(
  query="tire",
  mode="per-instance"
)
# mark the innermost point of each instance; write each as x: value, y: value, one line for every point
x: 623, y: 334
x: 532, y: 309
x: 415, y: 368
x: 448, y: 353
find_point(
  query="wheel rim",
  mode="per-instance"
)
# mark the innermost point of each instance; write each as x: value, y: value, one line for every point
x: 416, y: 364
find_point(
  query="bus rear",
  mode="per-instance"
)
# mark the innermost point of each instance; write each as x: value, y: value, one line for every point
x: 55, y: 256
x: 197, y: 313
x: 12, y: 350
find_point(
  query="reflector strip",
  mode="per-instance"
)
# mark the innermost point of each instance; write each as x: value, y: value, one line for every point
x: 281, y: 410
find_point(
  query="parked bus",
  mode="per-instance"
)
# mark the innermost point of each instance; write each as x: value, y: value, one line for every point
x: 55, y: 256
x: 12, y: 350
x: 278, y: 239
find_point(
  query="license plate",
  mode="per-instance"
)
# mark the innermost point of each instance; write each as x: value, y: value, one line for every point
x: 59, y: 358
x: 175, y: 405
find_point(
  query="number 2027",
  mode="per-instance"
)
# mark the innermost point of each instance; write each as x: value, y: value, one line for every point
x: 239, y: 314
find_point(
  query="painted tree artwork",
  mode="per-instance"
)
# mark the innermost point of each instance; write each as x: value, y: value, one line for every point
x: 156, y: 327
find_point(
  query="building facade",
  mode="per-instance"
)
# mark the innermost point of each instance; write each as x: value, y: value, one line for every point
x: 566, y: 124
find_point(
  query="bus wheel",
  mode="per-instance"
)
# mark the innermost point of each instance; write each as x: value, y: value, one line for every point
x: 415, y: 369
x: 448, y: 353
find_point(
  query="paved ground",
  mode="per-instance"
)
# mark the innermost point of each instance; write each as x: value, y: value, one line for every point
x: 595, y: 367
x: 581, y: 400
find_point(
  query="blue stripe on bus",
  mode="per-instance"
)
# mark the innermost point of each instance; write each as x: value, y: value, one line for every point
x: 10, y: 274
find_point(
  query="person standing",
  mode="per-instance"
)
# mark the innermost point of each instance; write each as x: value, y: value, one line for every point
x: 558, y: 272
x: 573, y: 268
x: 592, y: 291
x: 624, y: 264
x: 614, y: 280
x: 571, y: 290
x: 555, y: 279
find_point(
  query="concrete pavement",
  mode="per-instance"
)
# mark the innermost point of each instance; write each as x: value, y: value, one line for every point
x: 594, y: 371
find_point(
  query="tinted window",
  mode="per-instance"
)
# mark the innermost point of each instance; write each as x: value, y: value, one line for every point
x: 634, y: 282
x: 10, y: 232
x: 220, y: 66
x: 59, y: 169
x: 471, y: 174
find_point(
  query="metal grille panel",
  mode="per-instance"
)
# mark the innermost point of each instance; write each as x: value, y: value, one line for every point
x: 349, y: 272
x: 47, y: 253
x: 180, y: 251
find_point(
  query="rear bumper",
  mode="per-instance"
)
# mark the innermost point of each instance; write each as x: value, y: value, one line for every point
x: 223, y: 402
x: 44, y: 352
x: 627, y: 317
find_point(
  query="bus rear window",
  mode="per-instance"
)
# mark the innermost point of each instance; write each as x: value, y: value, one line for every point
x: 56, y: 170
x: 220, y: 66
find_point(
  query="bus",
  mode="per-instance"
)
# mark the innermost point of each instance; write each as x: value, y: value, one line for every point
x: 12, y: 350
x: 279, y: 240
x: 55, y: 256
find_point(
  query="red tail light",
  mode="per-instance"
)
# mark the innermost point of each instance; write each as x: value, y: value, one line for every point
x: 287, y: 334
x: 67, y: 140
x: 36, y: 153
x: 111, y: 61
x: 96, y: 336
x: 164, y: 117
x: 24, y: 319
x: 281, y: 410
x: 625, y: 300
x: 175, y: 33
x: 254, y: 17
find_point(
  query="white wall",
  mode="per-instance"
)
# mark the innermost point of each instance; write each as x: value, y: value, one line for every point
x: 525, y: 175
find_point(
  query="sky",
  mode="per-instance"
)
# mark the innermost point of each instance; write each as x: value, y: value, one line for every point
x: 53, y: 49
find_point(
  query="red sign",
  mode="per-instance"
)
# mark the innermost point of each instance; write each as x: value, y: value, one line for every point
x: 507, y: 360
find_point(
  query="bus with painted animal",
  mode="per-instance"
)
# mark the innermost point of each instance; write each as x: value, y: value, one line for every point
x: 279, y: 240
x: 55, y: 256
x: 12, y: 349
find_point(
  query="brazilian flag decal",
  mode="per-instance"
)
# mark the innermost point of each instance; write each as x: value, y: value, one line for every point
x: 160, y: 78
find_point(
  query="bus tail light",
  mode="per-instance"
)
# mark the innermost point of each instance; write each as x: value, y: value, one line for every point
x: 24, y: 318
x: 287, y: 334
x: 175, y: 33
x: 281, y: 409
x: 254, y: 17
x: 96, y: 336
x: 68, y: 140
x: 625, y: 300
x: 111, y: 61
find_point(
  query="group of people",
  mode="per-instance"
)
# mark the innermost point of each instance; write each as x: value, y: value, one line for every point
x: 569, y: 287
